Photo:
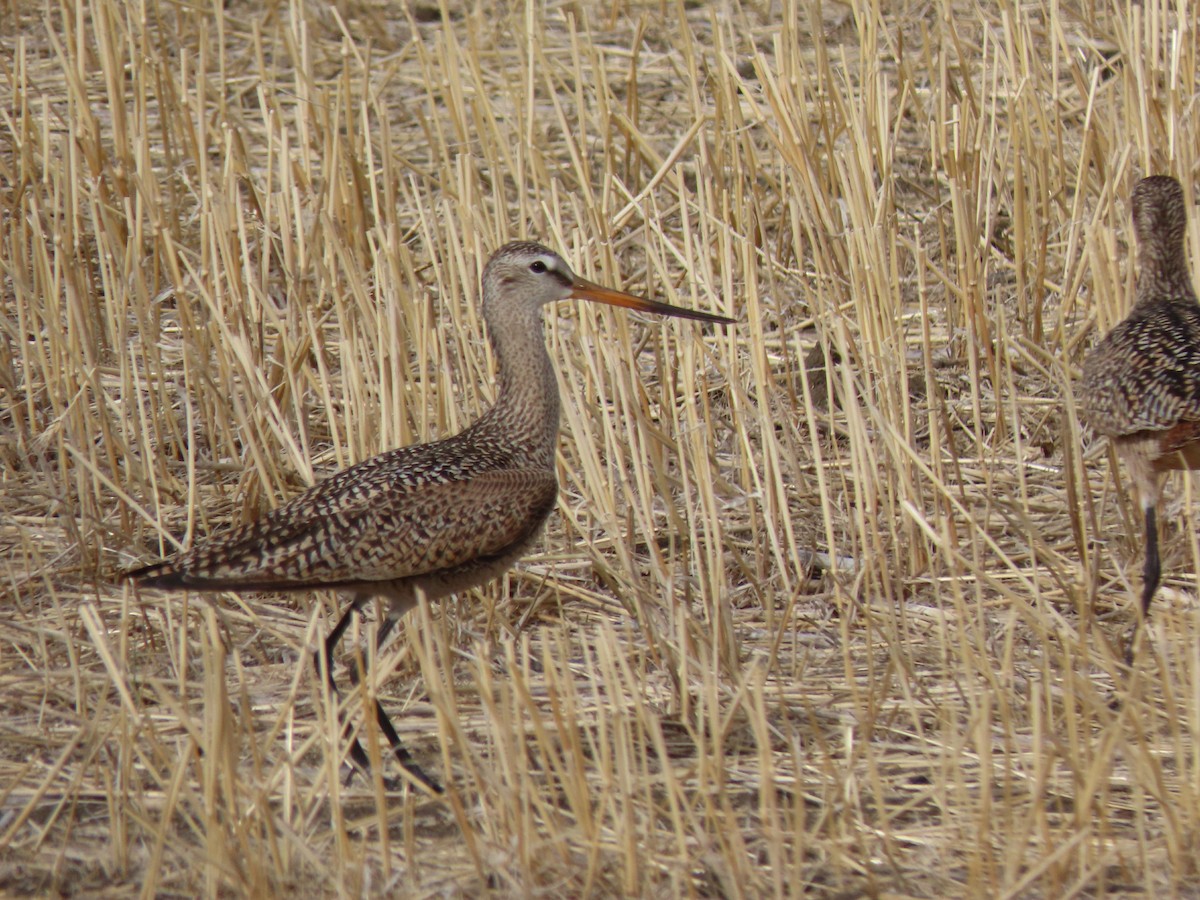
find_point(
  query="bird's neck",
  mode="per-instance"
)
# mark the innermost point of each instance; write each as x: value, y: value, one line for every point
x: 1165, y: 276
x: 524, y: 419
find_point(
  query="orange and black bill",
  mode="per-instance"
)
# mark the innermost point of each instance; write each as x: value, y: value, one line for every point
x: 583, y: 289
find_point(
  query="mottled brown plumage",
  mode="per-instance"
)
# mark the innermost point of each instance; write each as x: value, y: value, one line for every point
x: 431, y: 519
x: 1141, y: 383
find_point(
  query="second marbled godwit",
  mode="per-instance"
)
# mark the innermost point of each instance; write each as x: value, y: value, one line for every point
x: 1141, y: 383
x: 430, y: 519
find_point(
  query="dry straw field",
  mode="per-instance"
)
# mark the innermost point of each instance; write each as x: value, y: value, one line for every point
x: 834, y: 601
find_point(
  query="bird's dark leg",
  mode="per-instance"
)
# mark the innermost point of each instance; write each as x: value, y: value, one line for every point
x: 1150, y: 575
x: 1153, y: 569
x: 331, y: 641
x: 385, y: 628
x: 385, y: 724
x: 358, y: 755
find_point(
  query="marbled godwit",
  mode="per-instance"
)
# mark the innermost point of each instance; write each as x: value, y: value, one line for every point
x: 431, y: 519
x: 1141, y: 383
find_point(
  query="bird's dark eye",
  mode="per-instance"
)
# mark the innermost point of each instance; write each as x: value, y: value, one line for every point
x: 537, y: 267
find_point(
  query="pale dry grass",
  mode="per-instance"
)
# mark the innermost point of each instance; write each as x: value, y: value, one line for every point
x: 830, y: 629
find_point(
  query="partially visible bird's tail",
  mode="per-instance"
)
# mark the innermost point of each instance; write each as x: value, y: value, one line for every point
x: 157, y: 575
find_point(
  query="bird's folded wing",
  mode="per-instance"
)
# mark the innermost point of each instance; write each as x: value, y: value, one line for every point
x: 444, y: 526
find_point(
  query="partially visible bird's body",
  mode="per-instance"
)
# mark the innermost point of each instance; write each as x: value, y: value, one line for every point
x: 1141, y: 383
x: 430, y: 519
x: 439, y: 518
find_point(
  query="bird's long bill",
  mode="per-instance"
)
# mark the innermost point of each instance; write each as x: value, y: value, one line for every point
x: 588, y: 290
